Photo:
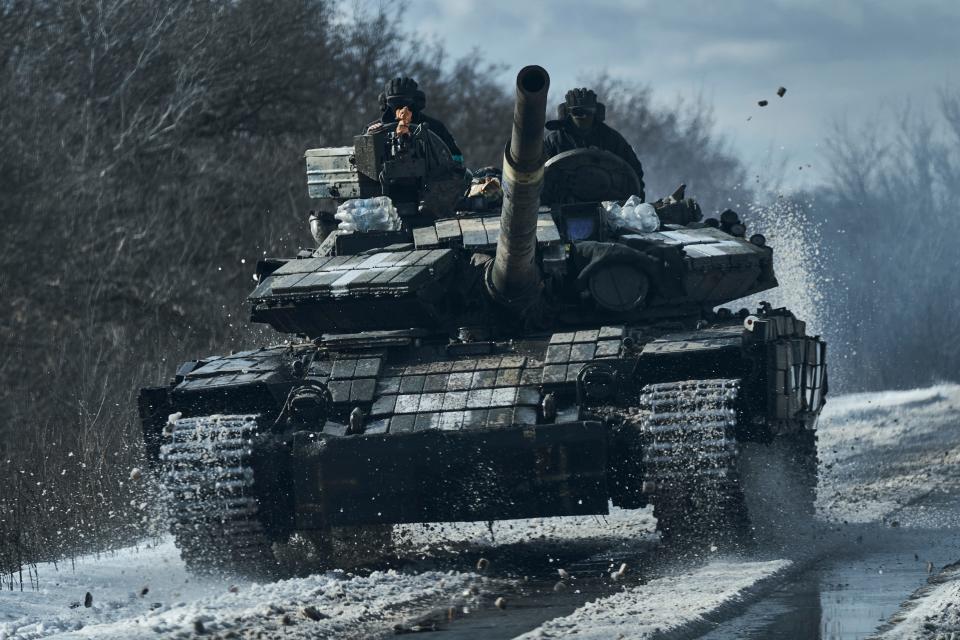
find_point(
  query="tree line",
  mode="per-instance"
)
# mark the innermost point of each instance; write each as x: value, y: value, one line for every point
x: 152, y: 152
x: 889, y: 220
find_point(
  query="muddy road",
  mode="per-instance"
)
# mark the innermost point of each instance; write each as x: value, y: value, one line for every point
x: 888, y: 520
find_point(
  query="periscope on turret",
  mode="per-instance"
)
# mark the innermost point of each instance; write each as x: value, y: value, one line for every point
x: 471, y: 357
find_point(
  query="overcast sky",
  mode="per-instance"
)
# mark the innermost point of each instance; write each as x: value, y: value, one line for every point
x: 836, y: 58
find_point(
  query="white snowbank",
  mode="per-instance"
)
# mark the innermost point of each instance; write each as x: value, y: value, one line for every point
x: 176, y: 601
x: 662, y: 605
x: 933, y: 615
x: 880, y: 451
x: 115, y: 581
x: 845, y: 405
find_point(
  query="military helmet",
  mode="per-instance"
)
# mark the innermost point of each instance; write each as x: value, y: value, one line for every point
x: 581, y: 99
x: 402, y: 91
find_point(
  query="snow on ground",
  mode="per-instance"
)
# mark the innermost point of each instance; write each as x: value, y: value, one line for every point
x: 881, y: 455
x: 356, y: 606
x: 880, y: 452
x: 115, y: 581
x: 175, y: 601
x: 664, y: 605
x: 932, y: 614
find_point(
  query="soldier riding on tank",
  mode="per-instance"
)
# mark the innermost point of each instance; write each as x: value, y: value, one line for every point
x: 580, y: 125
x: 404, y: 93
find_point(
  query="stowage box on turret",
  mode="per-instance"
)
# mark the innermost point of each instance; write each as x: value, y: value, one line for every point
x: 486, y: 357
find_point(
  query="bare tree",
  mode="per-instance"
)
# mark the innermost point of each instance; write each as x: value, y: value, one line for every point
x: 889, y: 215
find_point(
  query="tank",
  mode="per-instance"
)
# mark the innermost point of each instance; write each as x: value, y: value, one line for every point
x: 495, y: 357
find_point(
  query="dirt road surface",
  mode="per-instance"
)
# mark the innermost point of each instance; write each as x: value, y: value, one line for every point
x: 877, y: 564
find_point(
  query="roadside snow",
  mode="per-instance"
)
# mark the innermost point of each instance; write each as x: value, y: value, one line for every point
x: 115, y: 581
x: 933, y: 613
x: 854, y: 403
x: 356, y: 606
x: 880, y: 452
x: 663, y: 605
x: 176, y: 602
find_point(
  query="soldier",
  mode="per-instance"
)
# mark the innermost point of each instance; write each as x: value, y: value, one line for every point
x: 402, y: 93
x: 580, y: 125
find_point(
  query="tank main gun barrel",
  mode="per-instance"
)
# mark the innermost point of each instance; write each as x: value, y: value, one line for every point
x: 514, y: 279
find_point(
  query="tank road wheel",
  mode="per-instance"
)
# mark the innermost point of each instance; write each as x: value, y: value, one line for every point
x: 710, y: 490
x: 215, y: 515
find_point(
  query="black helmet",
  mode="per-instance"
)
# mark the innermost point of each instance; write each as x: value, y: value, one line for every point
x: 582, y: 98
x: 402, y: 92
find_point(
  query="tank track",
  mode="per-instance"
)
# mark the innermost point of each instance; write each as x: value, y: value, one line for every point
x: 210, y: 496
x: 710, y: 489
x: 690, y: 452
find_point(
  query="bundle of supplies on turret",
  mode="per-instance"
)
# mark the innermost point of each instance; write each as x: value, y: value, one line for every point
x: 367, y: 214
x: 633, y: 215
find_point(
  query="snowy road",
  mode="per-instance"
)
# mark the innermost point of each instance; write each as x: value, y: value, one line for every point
x: 890, y: 478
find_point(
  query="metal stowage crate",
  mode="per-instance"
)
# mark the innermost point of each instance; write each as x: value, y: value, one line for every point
x: 332, y: 173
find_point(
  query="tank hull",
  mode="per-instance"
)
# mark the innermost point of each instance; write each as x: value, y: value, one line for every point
x: 558, y: 425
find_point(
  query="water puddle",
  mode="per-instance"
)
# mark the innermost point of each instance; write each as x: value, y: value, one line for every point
x: 843, y: 595
x: 846, y: 596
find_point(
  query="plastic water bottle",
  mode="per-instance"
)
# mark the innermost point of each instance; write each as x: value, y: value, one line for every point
x: 646, y: 218
x: 634, y: 215
x: 367, y: 214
